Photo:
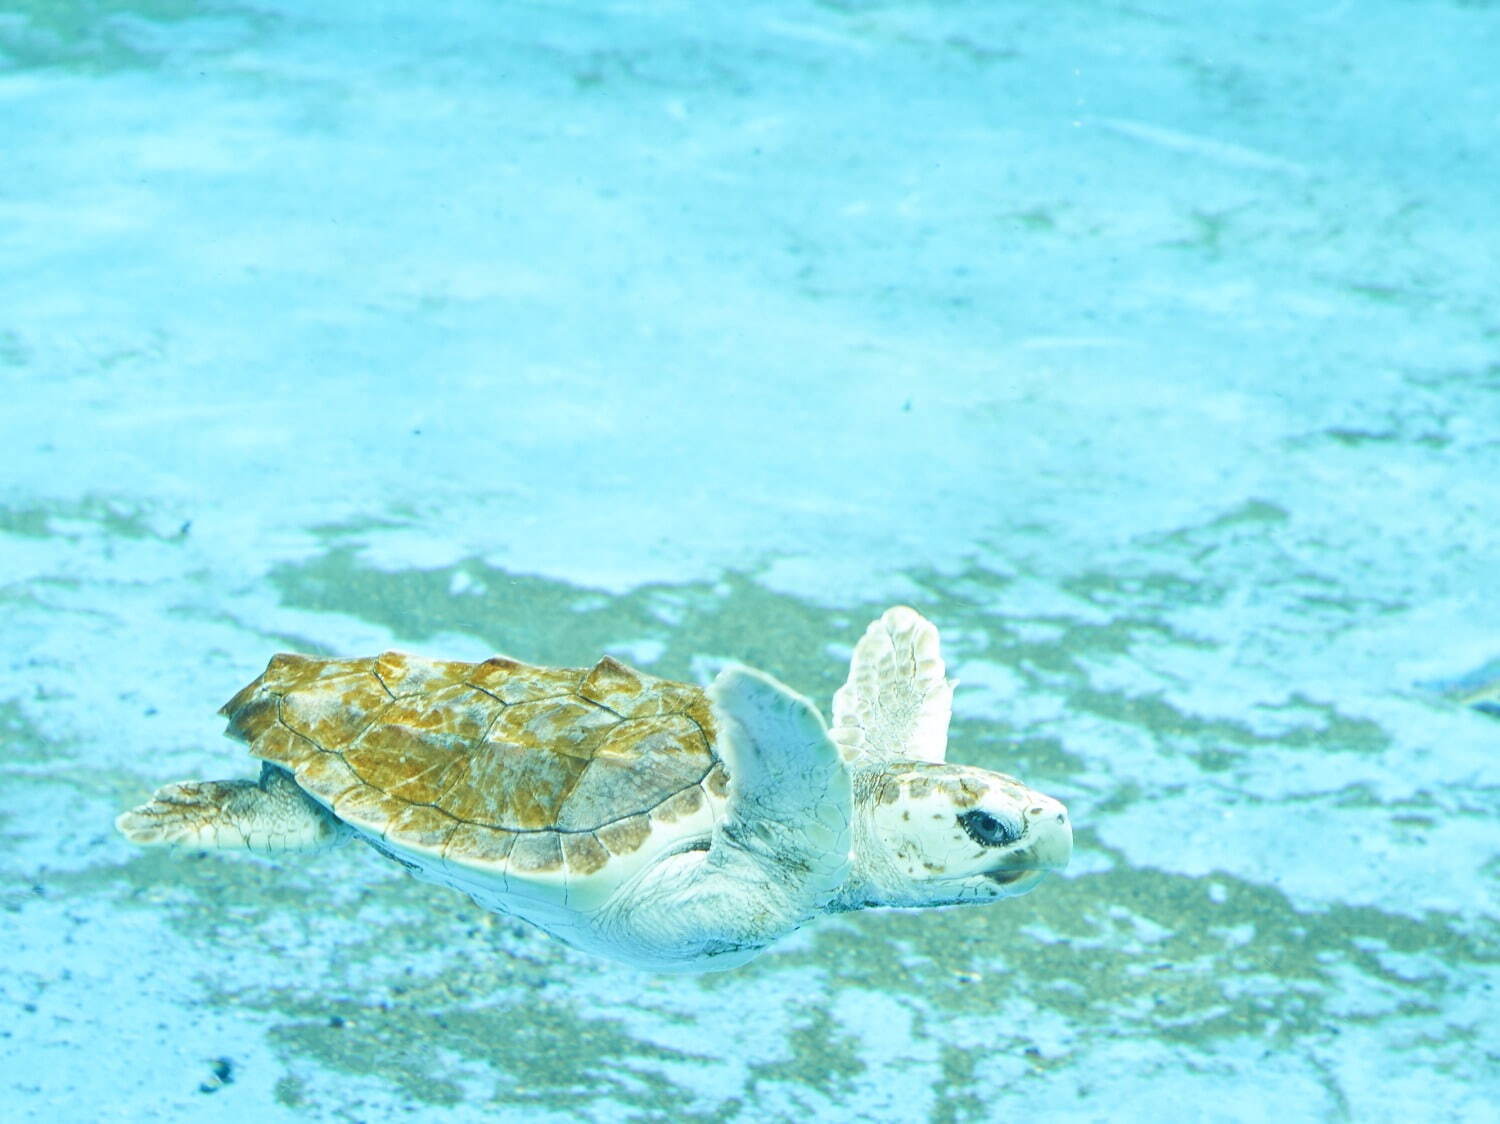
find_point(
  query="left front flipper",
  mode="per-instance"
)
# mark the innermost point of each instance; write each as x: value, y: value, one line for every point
x: 789, y: 790
x: 775, y: 860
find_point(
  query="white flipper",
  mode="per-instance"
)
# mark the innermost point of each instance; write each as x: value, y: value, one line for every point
x: 271, y: 814
x: 898, y: 698
x: 788, y: 785
x: 776, y: 859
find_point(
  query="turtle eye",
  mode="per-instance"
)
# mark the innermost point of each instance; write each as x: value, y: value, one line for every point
x: 988, y: 830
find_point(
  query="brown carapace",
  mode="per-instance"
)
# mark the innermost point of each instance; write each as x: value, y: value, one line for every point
x: 499, y: 761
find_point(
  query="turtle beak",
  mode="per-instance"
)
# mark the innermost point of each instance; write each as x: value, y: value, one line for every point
x: 1047, y: 820
x: 1048, y: 845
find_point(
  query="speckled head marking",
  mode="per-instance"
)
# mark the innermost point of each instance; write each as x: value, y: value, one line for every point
x: 938, y: 834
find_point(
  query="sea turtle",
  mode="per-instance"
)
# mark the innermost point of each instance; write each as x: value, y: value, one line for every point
x: 669, y: 826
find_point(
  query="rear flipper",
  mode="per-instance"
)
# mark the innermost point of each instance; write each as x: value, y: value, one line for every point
x: 271, y: 814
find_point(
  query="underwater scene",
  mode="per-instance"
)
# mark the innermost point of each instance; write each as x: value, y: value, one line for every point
x: 1150, y: 351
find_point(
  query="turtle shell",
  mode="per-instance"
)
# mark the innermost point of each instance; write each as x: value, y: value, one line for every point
x: 493, y: 765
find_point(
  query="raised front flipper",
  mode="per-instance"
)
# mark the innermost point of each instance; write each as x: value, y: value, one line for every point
x: 898, y: 698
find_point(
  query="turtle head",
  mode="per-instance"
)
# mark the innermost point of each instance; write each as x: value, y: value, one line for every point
x: 938, y: 834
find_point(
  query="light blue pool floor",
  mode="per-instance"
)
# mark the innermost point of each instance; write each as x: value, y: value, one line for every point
x: 1154, y: 357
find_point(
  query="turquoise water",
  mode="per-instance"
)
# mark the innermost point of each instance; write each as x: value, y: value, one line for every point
x: 1153, y: 353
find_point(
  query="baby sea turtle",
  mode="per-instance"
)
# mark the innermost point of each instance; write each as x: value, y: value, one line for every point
x: 669, y: 826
